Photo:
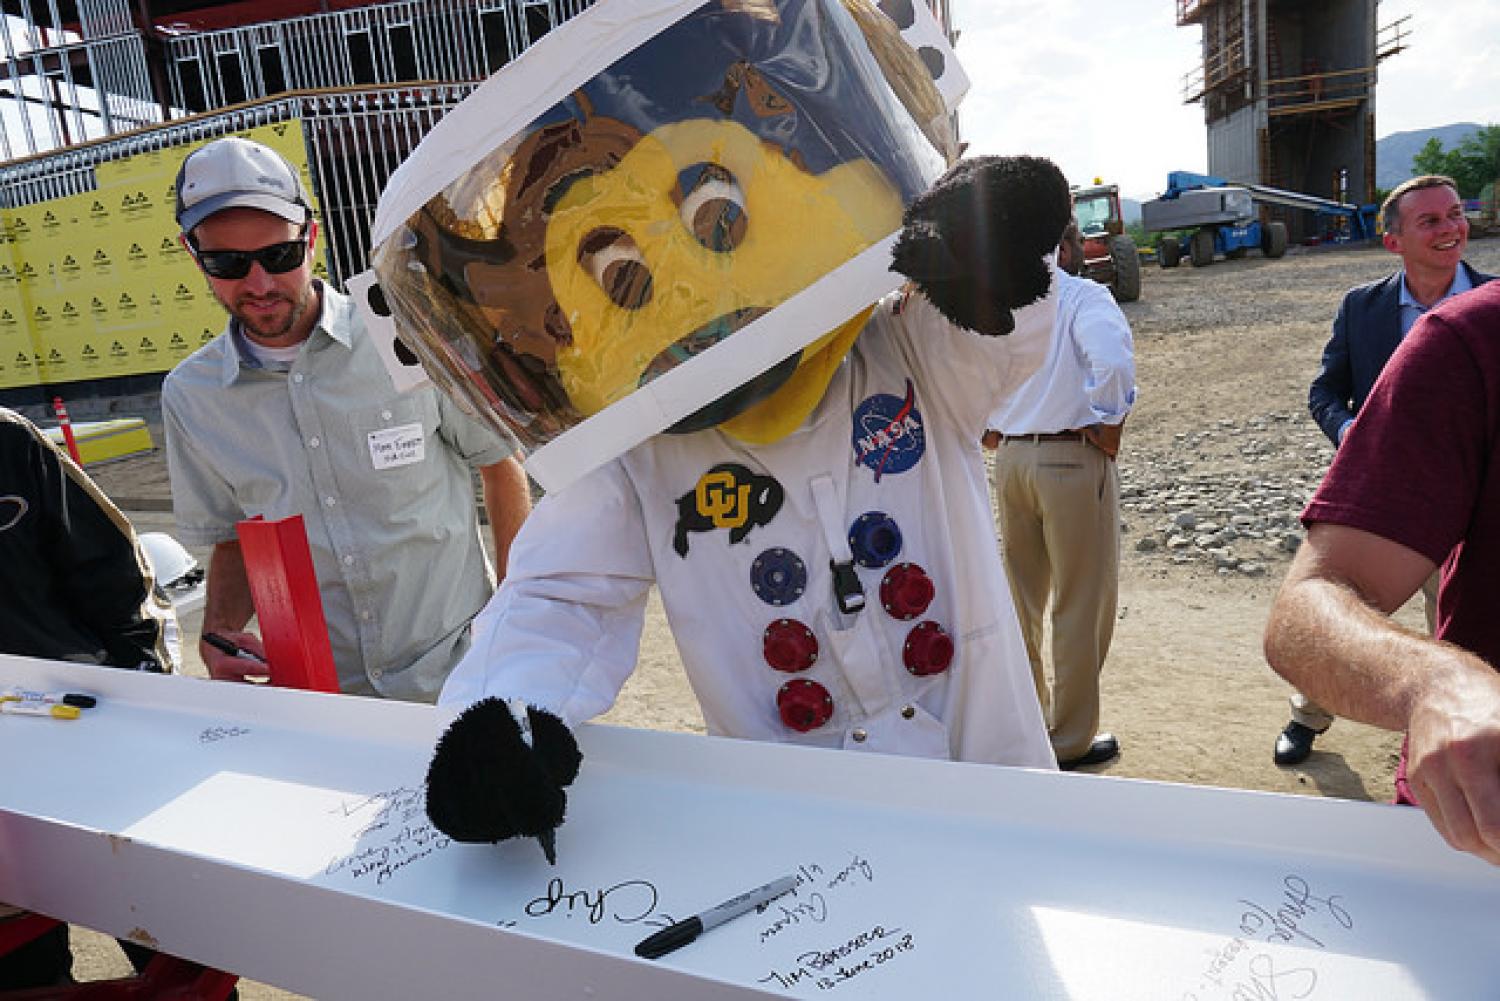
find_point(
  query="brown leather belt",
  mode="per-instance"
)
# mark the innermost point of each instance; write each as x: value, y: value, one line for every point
x: 1056, y: 436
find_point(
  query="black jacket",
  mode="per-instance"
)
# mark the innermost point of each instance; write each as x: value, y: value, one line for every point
x: 1365, y: 335
x: 74, y: 583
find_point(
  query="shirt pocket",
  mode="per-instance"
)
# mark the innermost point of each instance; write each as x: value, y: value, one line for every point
x: 395, y: 446
x: 418, y: 409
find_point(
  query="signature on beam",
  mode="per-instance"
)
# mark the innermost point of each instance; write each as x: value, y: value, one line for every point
x: 1284, y: 924
x: 214, y: 734
x: 626, y: 902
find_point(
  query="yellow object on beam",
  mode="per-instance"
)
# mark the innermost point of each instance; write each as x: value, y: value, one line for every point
x: 100, y: 441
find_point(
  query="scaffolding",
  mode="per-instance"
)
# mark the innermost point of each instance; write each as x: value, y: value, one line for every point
x: 410, y: 41
x: 1288, y: 91
x: 366, y: 83
x: 77, y: 74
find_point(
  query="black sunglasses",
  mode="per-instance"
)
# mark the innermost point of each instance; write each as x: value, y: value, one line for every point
x: 277, y: 259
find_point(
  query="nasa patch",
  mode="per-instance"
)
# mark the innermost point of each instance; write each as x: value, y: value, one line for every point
x: 888, y: 435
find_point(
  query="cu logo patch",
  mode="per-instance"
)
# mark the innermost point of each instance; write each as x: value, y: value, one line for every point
x: 888, y: 435
x: 727, y: 496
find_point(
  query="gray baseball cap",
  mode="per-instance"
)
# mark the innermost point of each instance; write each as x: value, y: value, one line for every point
x: 237, y: 173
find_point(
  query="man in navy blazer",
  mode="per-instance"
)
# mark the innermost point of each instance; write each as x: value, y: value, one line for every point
x: 1424, y: 224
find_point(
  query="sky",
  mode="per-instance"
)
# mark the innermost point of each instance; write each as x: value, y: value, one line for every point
x: 1097, y: 84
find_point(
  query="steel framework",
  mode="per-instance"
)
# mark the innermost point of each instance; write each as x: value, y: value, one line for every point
x: 66, y: 82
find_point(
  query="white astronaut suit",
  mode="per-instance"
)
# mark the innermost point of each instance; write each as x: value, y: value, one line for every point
x: 885, y: 474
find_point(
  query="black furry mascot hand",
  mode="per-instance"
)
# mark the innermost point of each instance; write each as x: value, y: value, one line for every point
x: 974, y: 243
x: 499, y: 773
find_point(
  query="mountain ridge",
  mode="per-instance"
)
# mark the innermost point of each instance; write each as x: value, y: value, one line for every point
x: 1394, y: 153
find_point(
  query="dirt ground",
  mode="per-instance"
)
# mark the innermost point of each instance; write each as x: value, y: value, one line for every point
x: 1185, y: 687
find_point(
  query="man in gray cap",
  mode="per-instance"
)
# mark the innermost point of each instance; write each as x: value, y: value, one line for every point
x: 291, y: 411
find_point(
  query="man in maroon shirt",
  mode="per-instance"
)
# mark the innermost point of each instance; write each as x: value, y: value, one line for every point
x: 1424, y: 226
x: 1415, y: 483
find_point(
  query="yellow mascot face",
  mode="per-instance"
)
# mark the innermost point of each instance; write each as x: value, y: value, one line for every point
x: 699, y: 230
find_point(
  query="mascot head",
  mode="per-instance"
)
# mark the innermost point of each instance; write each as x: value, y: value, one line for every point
x: 661, y: 206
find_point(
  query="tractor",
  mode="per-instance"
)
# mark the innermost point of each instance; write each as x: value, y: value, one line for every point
x: 1109, y: 254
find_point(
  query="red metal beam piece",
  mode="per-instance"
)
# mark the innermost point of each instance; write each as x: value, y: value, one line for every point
x: 284, y: 588
x: 165, y: 978
x: 278, y: 564
x: 18, y: 931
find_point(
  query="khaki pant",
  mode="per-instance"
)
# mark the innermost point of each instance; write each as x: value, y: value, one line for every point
x: 1315, y: 717
x: 1060, y: 529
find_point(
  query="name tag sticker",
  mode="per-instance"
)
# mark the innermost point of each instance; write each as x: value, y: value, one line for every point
x: 397, y: 446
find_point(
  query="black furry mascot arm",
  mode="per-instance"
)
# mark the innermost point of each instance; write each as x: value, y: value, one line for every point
x: 974, y: 243
x: 499, y: 772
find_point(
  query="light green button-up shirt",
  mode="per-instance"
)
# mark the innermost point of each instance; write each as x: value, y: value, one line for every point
x: 382, y: 480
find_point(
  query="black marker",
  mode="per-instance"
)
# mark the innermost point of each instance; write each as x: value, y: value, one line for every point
x: 677, y: 935
x: 228, y: 646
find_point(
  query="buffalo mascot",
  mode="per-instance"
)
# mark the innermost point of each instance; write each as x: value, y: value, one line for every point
x: 820, y: 530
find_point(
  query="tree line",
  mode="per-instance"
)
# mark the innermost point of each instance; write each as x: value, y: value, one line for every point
x: 1474, y: 163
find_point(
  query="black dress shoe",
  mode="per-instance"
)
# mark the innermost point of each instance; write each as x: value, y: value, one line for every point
x: 1104, y: 748
x: 1294, y: 744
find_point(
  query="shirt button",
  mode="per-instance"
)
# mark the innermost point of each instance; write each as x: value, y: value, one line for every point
x: 314, y: 441
x: 298, y: 377
x: 385, y: 415
x: 348, y: 561
x: 859, y: 736
x: 907, y: 712
x: 365, y: 615
x: 329, y: 501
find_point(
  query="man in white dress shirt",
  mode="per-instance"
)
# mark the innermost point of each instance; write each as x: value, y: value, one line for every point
x: 1059, y: 494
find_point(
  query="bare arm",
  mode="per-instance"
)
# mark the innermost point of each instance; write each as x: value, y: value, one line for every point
x: 507, y: 502
x: 227, y: 608
x: 1329, y: 634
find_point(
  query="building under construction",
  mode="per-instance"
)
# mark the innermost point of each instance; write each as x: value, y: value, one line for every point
x: 1288, y: 92
x: 90, y: 81
x: 100, y: 99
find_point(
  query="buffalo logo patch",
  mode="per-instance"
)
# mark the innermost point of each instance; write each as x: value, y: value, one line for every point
x: 727, y: 496
x: 888, y: 435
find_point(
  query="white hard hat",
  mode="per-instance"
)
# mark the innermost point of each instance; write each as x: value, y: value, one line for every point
x: 179, y: 582
x: 173, y: 565
x: 179, y: 577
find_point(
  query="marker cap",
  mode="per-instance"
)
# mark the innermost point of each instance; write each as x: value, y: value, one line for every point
x: 54, y: 709
x: 669, y: 938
